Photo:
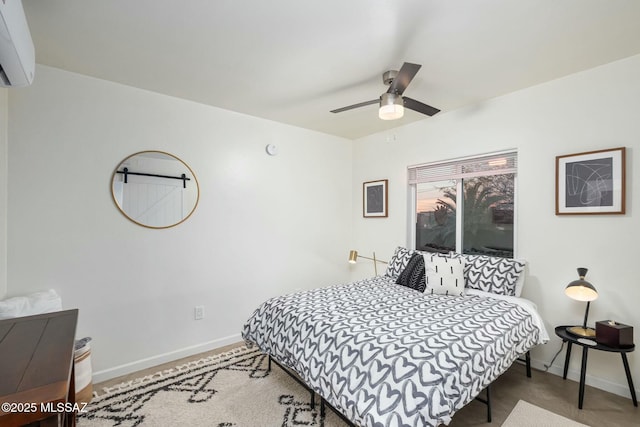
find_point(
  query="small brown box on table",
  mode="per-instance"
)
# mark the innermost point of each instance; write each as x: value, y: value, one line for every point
x: 614, y: 334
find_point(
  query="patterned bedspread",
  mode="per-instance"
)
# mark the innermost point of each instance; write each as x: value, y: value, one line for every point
x: 387, y: 355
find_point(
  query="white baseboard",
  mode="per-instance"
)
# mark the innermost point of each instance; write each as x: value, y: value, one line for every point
x: 611, y: 387
x: 127, y: 368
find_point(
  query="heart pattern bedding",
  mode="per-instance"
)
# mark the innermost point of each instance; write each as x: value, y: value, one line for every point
x: 387, y: 355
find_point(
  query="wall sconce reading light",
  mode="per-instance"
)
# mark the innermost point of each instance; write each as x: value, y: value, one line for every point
x: 353, y: 256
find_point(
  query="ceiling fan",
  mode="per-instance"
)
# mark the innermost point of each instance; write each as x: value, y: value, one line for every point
x: 392, y: 103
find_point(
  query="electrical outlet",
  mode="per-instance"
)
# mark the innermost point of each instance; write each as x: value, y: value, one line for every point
x: 198, y: 312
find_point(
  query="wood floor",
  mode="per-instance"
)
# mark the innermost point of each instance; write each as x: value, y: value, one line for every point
x: 542, y: 389
x: 550, y: 392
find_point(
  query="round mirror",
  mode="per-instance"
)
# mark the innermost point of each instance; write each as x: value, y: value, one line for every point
x: 155, y: 189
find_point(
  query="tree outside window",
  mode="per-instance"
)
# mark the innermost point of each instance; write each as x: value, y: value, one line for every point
x: 487, y: 215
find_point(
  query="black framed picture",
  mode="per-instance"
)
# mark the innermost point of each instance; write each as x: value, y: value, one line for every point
x: 374, y: 194
x: 591, y: 183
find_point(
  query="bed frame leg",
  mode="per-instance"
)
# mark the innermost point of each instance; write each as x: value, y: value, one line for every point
x: 486, y: 401
x: 324, y: 404
x: 489, y: 403
x: 312, y: 400
x: 528, y: 361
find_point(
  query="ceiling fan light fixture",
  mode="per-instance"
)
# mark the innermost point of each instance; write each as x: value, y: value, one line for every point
x: 391, y: 107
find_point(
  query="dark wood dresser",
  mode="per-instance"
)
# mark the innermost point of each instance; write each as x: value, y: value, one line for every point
x: 36, y: 369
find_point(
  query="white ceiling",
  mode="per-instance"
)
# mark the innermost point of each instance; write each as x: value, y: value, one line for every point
x: 294, y: 60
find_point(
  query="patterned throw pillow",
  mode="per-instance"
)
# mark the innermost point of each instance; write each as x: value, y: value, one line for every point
x: 399, y: 261
x: 413, y: 275
x: 491, y: 274
x: 444, y: 275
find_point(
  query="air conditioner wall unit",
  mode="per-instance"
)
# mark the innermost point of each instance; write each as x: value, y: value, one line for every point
x: 17, y: 54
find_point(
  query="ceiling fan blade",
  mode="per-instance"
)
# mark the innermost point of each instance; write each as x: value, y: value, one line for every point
x: 351, y: 107
x: 404, y: 77
x: 418, y: 106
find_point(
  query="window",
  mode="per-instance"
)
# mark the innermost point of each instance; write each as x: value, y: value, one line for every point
x: 465, y: 205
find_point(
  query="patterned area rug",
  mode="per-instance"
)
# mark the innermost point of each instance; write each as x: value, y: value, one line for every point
x: 225, y: 390
x: 524, y: 414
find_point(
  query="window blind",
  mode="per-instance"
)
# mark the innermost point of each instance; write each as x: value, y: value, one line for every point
x: 490, y: 164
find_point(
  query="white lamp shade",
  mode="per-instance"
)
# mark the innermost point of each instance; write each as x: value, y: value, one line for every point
x: 391, y: 107
x: 580, y: 292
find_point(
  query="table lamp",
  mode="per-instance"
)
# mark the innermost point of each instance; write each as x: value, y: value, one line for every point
x: 581, y: 290
x: 353, y: 256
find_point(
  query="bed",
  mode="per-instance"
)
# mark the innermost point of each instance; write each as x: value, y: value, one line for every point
x: 383, y: 353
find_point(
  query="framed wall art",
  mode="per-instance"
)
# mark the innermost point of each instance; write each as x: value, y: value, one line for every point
x: 591, y: 183
x: 374, y: 194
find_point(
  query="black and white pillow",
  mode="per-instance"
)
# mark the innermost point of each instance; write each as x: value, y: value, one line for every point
x: 399, y: 261
x: 491, y: 274
x: 413, y: 276
x: 444, y: 275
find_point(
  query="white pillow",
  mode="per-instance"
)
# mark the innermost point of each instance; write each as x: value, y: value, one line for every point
x: 444, y: 276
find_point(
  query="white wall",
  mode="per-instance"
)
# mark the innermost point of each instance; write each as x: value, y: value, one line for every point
x: 264, y: 225
x: 4, y: 115
x: 596, y: 109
